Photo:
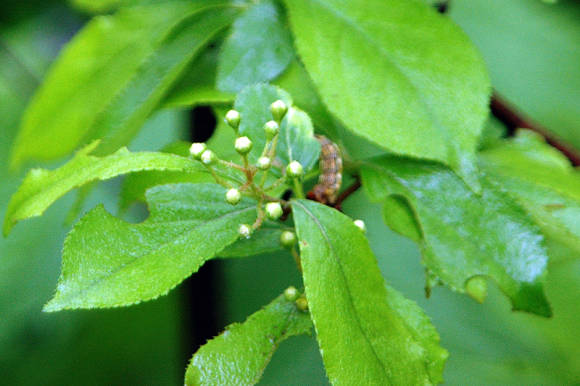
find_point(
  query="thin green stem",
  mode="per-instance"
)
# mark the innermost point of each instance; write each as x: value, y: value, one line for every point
x: 298, y: 190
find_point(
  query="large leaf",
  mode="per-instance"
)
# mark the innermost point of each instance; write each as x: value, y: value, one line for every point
x: 543, y: 181
x: 241, y: 353
x: 258, y: 49
x: 296, y: 141
x: 398, y: 74
x: 113, y: 74
x: 42, y: 187
x: 466, y: 235
x: 108, y: 262
x: 366, y: 335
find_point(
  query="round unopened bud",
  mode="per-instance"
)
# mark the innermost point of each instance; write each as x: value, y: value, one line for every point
x: 208, y: 157
x: 233, y: 196
x: 264, y: 163
x: 245, y: 231
x: 278, y: 110
x: 360, y: 224
x: 294, y: 169
x: 271, y: 128
x: 291, y: 293
x: 288, y: 239
x: 274, y: 210
x: 196, y: 149
x: 302, y: 303
x: 243, y: 145
x: 233, y: 119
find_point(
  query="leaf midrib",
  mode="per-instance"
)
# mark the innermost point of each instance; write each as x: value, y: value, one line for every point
x: 350, y: 299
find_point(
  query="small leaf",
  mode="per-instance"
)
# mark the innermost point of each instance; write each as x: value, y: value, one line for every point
x: 543, y: 181
x: 241, y: 353
x: 108, y: 262
x: 465, y: 234
x: 113, y: 75
x: 41, y: 188
x: 264, y: 240
x: 398, y: 74
x: 258, y: 49
x: 136, y: 184
x: 366, y: 335
x: 296, y: 141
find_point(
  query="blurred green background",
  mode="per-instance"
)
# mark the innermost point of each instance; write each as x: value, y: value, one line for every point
x: 533, y: 53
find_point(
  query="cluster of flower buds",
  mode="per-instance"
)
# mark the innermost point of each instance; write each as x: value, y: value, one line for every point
x: 268, y: 207
x: 292, y: 295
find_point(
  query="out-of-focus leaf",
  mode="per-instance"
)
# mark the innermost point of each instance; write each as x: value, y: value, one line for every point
x: 258, y: 49
x: 398, y: 74
x: 42, y: 187
x: 466, y: 235
x: 113, y: 75
x: 543, y: 181
x: 296, y: 141
x: 366, y: 336
x: 198, y: 85
x: 108, y: 262
x: 241, y: 353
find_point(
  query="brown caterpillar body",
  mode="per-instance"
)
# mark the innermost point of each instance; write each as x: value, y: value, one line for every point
x: 330, y: 179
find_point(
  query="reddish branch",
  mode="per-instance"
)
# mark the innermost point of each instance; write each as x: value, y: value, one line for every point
x: 514, y: 120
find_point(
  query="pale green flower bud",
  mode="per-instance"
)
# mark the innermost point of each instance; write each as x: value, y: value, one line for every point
x: 278, y: 109
x: 294, y: 169
x: 233, y: 196
x: 233, y: 119
x: 245, y: 231
x: 208, y: 157
x: 271, y: 128
x: 302, y: 303
x: 360, y: 224
x: 264, y: 163
x: 288, y: 239
x: 274, y: 210
x: 291, y: 294
x: 197, y: 149
x: 243, y: 145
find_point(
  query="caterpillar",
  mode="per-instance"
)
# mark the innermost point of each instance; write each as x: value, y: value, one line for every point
x: 330, y: 165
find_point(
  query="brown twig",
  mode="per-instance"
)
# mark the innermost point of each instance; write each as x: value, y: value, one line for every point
x: 515, y: 120
x: 347, y: 192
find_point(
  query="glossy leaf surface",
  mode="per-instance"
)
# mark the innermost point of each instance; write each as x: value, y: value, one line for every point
x: 366, y: 335
x: 113, y: 74
x: 398, y: 74
x: 240, y: 354
x: 43, y: 187
x: 296, y: 141
x: 108, y: 262
x: 543, y: 181
x: 258, y: 49
x: 466, y: 235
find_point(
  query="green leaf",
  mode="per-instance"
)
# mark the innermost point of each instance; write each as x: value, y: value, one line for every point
x: 136, y: 184
x: 113, y: 75
x: 241, y: 353
x: 366, y: 335
x: 197, y: 86
x: 258, y: 49
x: 264, y: 240
x: 41, y: 187
x: 466, y: 235
x: 398, y: 74
x: 543, y: 181
x: 296, y: 141
x: 108, y: 262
